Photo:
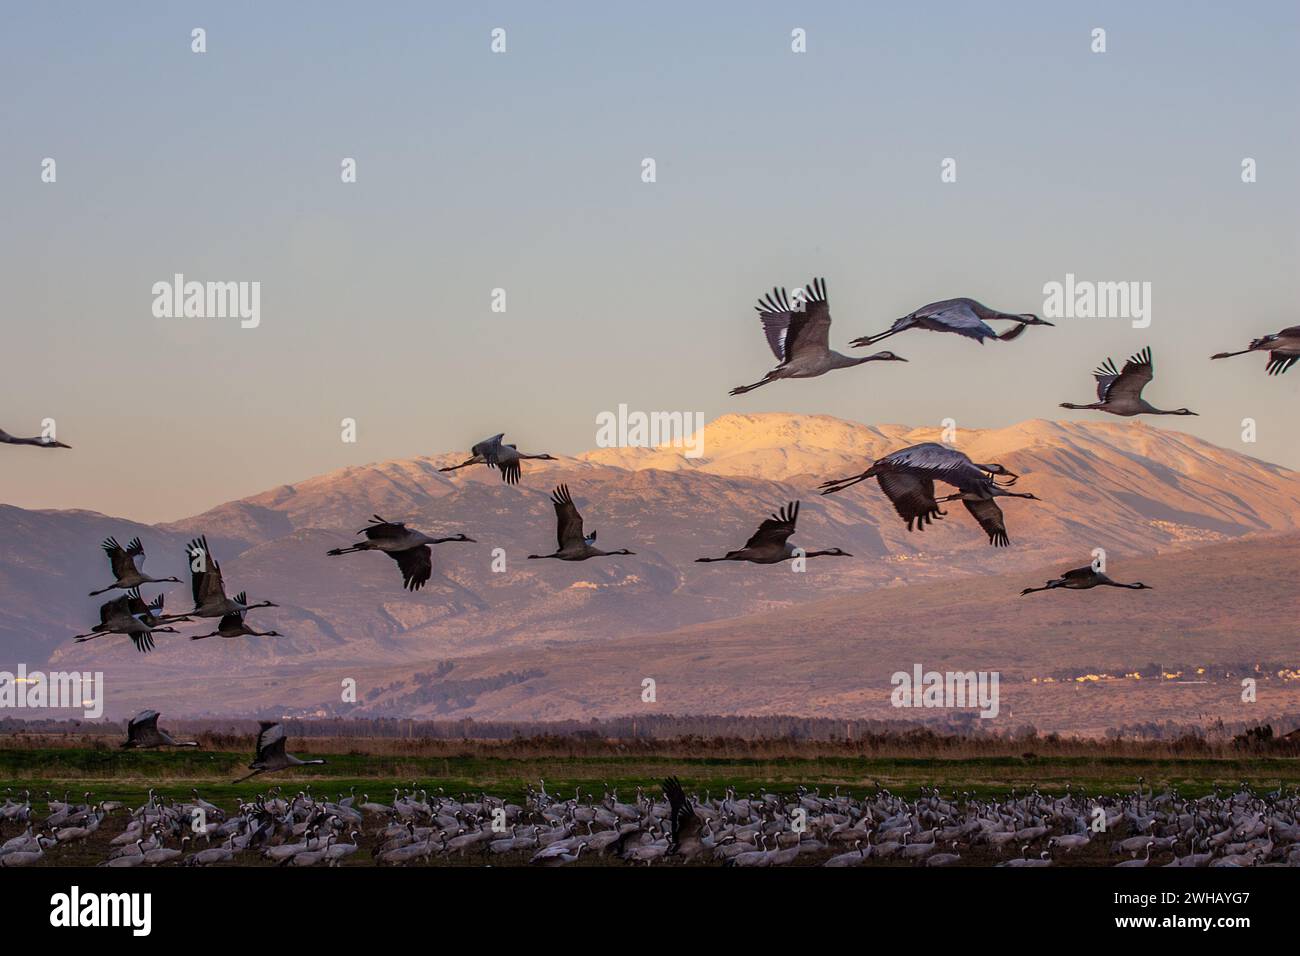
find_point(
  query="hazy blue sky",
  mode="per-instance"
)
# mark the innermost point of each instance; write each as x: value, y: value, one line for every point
x: 522, y: 171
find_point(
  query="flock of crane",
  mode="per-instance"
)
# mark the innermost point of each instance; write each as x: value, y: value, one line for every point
x: 1244, y: 828
x: 797, y: 328
x: 129, y: 615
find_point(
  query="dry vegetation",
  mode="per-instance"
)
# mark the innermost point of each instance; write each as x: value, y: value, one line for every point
x: 905, y: 745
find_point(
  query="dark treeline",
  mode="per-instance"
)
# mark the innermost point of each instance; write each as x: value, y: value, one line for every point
x: 869, y: 733
x: 658, y: 727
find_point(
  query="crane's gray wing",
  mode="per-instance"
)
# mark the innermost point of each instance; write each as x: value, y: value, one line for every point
x: 143, y: 641
x: 497, y: 455
x: 776, y: 529
x: 489, y: 449
x: 142, y: 726
x: 118, y: 558
x: 912, y: 497
x: 508, y: 462
x: 568, y: 528
x: 1126, y: 384
x: 1106, y: 373
x: 958, y: 315
x: 989, y: 516
x: 383, y: 530
x: 789, y: 329
x: 1078, y: 574
x: 416, y: 565
x: 116, y: 609
x: 205, y: 583
x: 193, y: 552
x: 270, y: 739
x: 108, y: 610
x: 933, y: 460
x: 1279, y: 361
x: 135, y: 603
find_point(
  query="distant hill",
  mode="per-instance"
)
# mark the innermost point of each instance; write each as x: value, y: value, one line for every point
x: 1226, y: 606
x: 1124, y: 486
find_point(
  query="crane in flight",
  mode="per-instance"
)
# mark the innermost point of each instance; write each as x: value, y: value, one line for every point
x: 573, y: 544
x: 208, y: 587
x: 409, y: 548
x: 270, y: 756
x: 142, y: 733
x: 39, y: 442
x: 126, y: 566
x: 494, y: 454
x: 799, y: 336
x: 1083, y: 579
x: 232, y: 625
x: 770, y: 543
x: 963, y: 316
x: 1283, y: 350
x: 907, y: 478
x: 129, y: 615
x: 1119, y: 391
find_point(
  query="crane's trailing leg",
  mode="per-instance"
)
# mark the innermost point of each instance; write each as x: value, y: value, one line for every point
x: 742, y: 389
x: 839, y: 484
x: 873, y: 339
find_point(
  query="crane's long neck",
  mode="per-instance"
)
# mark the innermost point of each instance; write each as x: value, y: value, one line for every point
x: 874, y: 357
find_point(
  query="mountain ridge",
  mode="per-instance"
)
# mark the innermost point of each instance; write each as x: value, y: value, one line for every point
x: 1130, y: 490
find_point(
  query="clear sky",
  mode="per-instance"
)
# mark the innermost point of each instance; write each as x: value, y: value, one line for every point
x: 523, y: 171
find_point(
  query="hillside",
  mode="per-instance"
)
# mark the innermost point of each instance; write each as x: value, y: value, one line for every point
x: 1131, y: 489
